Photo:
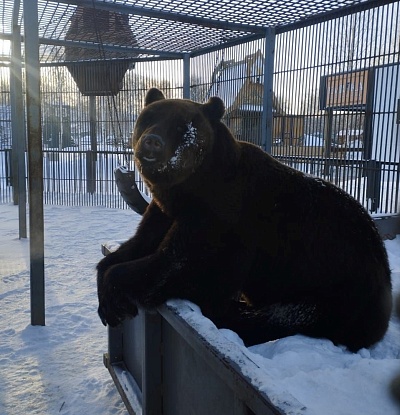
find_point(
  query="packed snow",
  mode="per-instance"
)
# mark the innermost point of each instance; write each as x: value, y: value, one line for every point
x: 58, y: 368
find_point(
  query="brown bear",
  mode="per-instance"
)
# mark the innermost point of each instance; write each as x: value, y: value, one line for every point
x: 263, y: 249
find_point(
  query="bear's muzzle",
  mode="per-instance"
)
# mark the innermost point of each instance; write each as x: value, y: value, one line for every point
x: 151, y: 147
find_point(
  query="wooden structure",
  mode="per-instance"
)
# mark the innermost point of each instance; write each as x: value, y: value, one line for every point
x: 288, y: 129
x: 244, y: 101
x: 353, y: 139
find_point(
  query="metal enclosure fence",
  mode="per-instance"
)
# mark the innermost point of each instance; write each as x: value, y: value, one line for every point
x: 336, y: 92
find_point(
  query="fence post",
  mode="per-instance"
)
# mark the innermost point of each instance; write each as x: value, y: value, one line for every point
x: 8, y: 167
x: 267, y: 114
x: 373, y: 175
x: 18, y: 124
x: 90, y: 171
x: 328, y: 140
x: 35, y: 162
x: 186, y: 76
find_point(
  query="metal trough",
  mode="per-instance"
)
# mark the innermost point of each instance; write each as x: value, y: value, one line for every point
x: 162, y: 363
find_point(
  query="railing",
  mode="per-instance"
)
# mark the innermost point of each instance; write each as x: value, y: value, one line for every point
x: 375, y: 184
x: 86, y: 178
x: 6, y: 189
x: 75, y: 178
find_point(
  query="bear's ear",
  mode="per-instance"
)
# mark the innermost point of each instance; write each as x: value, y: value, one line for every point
x: 214, y: 109
x: 153, y: 94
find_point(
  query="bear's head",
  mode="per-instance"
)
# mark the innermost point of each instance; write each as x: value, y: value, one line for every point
x: 173, y: 137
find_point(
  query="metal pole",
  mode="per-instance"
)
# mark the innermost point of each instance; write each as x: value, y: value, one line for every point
x: 35, y: 161
x: 93, y: 123
x: 186, y: 76
x: 328, y: 140
x: 14, y: 146
x: 91, y: 155
x: 18, y: 130
x: 267, y: 115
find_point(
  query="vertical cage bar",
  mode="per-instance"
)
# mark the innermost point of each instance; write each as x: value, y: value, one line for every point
x: 267, y: 114
x: 186, y: 76
x: 35, y: 162
x: 18, y: 127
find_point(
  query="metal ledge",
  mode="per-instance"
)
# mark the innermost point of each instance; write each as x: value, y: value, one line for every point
x: 126, y: 386
x: 162, y: 363
x: 388, y: 226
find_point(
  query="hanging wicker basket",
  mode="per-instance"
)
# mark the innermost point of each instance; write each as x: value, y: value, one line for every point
x: 97, y: 71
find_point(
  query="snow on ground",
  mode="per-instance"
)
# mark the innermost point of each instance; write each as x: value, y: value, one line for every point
x: 58, y: 369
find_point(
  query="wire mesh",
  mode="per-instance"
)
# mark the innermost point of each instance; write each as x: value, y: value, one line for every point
x: 351, y: 139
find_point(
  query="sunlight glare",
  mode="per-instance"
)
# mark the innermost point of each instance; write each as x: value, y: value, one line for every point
x: 5, y: 47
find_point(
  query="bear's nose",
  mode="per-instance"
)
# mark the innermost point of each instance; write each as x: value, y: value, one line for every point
x: 152, y: 143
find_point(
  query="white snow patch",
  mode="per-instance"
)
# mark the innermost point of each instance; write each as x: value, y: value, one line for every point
x: 189, y: 140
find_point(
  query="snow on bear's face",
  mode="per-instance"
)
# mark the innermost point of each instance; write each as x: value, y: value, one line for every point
x: 171, y: 139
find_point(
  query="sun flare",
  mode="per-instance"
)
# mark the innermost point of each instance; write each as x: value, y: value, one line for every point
x: 5, y: 47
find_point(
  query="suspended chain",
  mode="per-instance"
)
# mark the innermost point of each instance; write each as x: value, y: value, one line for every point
x: 112, y: 105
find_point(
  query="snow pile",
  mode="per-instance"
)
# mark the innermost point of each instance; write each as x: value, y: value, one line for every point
x: 58, y: 369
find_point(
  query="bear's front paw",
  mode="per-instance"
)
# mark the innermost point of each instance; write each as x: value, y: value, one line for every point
x: 114, y: 309
x: 104, y: 265
x: 115, y: 302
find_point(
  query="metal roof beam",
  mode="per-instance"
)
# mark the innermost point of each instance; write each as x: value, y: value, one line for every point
x: 108, y: 48
x: 158, y: 14
x: 137, y: 60
x: 227, y: 44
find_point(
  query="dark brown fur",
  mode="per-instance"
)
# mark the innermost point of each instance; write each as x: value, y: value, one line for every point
x: 263, y: 249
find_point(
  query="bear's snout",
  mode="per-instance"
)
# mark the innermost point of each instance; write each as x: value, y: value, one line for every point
x: 151, y: 147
